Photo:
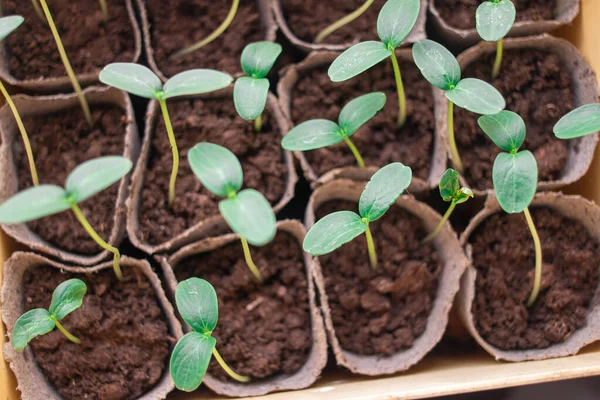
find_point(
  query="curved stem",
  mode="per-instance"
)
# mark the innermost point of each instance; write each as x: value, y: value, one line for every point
x: 438, y: 228
x: 174, y: 150
x: 498, y: 62
x: 354, y: 151
x: 400, y: 90
x: 537, y: 280
x: 65, y: 332
x: 104, y: 8
x: 215, y: 34
x: 230, y: 372
x: 371, y: 248
x: 250, y: 262
x: 258, y: 123
x: 343, y: 21
x: 453, y: 149
x: 38, y: 10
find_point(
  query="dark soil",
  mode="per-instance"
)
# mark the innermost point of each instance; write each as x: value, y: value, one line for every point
x: 381, y: 312
x: 177, y: 24
x: 504, y: 256
x: 125, y: 338
x: 263, y: 330
x: 215, y: 121
x: 379, y: 141
x: 538, y: 87
x: 60, y: 142
x: 89, y: 42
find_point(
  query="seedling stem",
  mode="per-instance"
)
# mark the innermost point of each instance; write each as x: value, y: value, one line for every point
x: 371, y: 248
x: 455, y: 156
x: 438, y: 228
x: 250, y: 262
x: 38, y: 10
x: 104, y: 8
x: 173, y: 143
x: 343, y: 21
x: 498, y: 61
x: 400, y: 90
x: 258, y: 123
x: 359, y: 159
x: 538, y: 259
x: 230, y: 372
x: 65, y: 332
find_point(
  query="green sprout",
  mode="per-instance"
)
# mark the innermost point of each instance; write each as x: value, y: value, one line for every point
x: 250, y: 92
x: 141, y: 81
x: 441, y: 69
x: 343, y: 21
x: 580, y: 122
x: 247, y: 212
x: 494, y: 18
x: 197, y: 303
x: 83, y: 182
x: 450, y: 191
x: 515, y: 176
x: 395, y: 21
x: 319, y: 133
x: 67, y: 297
x: 339, y: 228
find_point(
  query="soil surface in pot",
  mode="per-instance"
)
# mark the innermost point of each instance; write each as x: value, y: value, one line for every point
x: 504, y: 257
x: 538, y: 87
x: 381, y: 312
x: 214, y: 121
x: 178, y: 24
x: 124, y: 333
x: 61, y: 141
x: 263, y: 330
x: 89, y: 41
x: 379, y: 141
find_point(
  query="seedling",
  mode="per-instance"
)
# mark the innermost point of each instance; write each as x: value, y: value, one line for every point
x: 197, y: 303
x: 493, y: 19
x: 450, y: 191
x: 247, y: 212
x: 319, y: 133
x: 581, y: 121
x: 441, y: 69
x: 395, y: 21
x: 343, y: 21
x: 82, y: 183
x: 250, y: 92
x: 515, y: 176
x: 67, y: 297
x: 339, y: 228
x: 141, y: 81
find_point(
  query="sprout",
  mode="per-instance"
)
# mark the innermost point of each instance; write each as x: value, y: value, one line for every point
x: 141, y: 81
x: 515, y: 175
x: 343, y: 21
x: 250, y: 92
x: 338, y: 228
x: 67, y: 297
x: 104, y: 9
x: 197, y: 303
x: 581, y: 121
x: 441, y: 69
x: 247, y: 212
x: 395, y: 21
x: 494, y: 18
x: 319, y: 133
x: 83, y: 182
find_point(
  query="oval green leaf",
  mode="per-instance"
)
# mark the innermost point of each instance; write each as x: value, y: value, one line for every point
x: 67, y: 297
x: 476, y: 96
x: 218, y: 169
x: 196, y: 81
x: 333, y: 231
x: 494, y: 19
x: 515, y: 180
x: 581, y: 121
x: 383, y: 189
x: 197, y: 303
x: 33, y: 203
x: 33, y: 323
x: 360, y: 110
x: 250, y: 97
x: 95, y: 175
x: 449, y: 185
x: 190, y: 359
x: 9, y: 24
x: 395, y: 21
x: 132, y: 78
x: 250, y: 215
x: 357, y: 59
x: 258, y: 58
x: 506, y: 129
x: 436, y: 63
x: 313, y: 134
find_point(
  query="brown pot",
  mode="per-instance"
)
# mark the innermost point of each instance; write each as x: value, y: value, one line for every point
x: 9, y: 182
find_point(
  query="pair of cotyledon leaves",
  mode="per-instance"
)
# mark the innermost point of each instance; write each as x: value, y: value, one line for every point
x: 494, y: 18
x: 450, y: 189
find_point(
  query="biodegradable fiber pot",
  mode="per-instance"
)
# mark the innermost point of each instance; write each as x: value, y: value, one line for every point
x: 317, y: 357
x: 9, y: 180
x: 32, y: 383
x: 454, y: 264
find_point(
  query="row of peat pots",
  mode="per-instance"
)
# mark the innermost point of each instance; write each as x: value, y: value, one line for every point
x: 377, y: 321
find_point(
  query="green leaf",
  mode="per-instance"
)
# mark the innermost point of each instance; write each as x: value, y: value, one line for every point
x: 463, y: 195
x: 132, y: 78
x: 218, y: 169
x: 313, y: 134
x: 579, y: 122
x: 67, y: 297
x: 33, y: 323
x: 515, y: 180
x: 476, y: 96
x: 333, y: 231
x: 436, y: 63
x: 33, y: 203
x: 95, y: 175
x: 449, y: 185
x: 494, y: 19
x: 357, y: 59
x: 190, y: 359
x: 506, y: 129
x: 197, y: 303
x: 250, y: 97
x: 196, y: 81
x: 258, y: 58
x: 395, y: 21
x: 360, y: 110
x: 383, y: 189
x: 9, y: 24
x: 250, y: 215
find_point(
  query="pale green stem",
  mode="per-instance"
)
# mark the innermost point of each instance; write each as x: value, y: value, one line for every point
x: 354, y: 151
x: 230, y: 372
x: 343, y: 21
x: 438, y: 228
x: 453, y: 149
x: 250, y: 262
x: 258, y: 123
x: 65, y: 332
x: 371, y: 248
x: 38, y: 10
x: 498, y: 61
x: 174, y: 150
x: 104, y: 8
x: 400, y: 90
x: 537, y: 280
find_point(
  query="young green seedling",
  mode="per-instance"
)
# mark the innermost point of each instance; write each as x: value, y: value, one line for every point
x: 83, y: 182
x: 250, y: 92
x: 494, y: 18
x: 580, y: 122
x: 515, y: 175
x: 247, y: 212
x: 319, y: 133
x: 141, y: 81
x: 343, y: 21
x: 395, y: 21
x: 339, y: 228
x: 197, y: 303
x: 450, y: 191
x: 441, y: 69
x: 67, y: 297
